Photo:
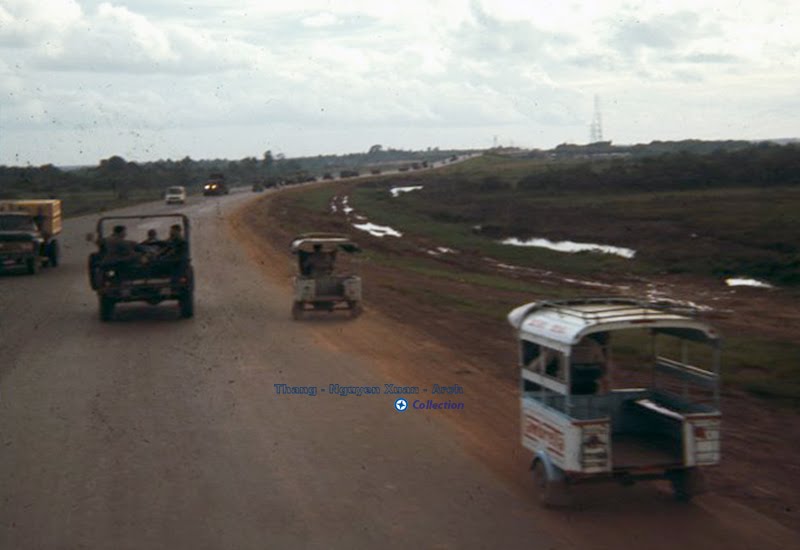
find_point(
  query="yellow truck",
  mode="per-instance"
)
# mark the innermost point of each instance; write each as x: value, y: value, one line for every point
x: 27, y: 233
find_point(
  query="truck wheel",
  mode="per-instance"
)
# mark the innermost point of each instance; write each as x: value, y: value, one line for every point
x: 33, y: 265
x: 186, y: 303
x: 552, y: 493
x: 297, y: 311
x: 53, y: 254
x: 106, y: 308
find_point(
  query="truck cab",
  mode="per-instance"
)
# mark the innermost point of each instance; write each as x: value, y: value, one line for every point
x: 175, y: 195
x: 27, y: 234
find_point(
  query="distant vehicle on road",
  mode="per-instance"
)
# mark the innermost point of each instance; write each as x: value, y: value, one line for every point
x: 215, y: 186
x: 415, y: 166
x: 175, y: 195
x: 27, y: 234
x: 375, y: 171
x: 349, y: 174
x: 151, y: 271
x: 258, y: 187
x: 581, y: 428
x: 318, y: 286
x: 403, y: 169
x: 327, y: 176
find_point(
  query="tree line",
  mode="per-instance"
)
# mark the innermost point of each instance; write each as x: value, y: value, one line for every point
x: 121, y: 177
x: 762, y: 165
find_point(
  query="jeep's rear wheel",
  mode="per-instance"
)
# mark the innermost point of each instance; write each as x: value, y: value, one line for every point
x: 106, y: 308
x: 95, y: 277
x: 186, y: 304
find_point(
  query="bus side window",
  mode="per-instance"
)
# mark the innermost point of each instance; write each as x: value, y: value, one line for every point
x: 528, y: 386
x: 553, y: 365
x: 530, y: 352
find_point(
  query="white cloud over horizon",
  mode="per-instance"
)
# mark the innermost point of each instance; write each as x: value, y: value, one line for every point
x: 83, y: 80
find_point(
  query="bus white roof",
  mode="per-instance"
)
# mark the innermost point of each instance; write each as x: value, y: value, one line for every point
x: 566, y: 322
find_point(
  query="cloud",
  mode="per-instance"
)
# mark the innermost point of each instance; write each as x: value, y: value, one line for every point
x: 321, y: 75
x: 24, y: 23
x: 59, y: 36
x: 324, y: 19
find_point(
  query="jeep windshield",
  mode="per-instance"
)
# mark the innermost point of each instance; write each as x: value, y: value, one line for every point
x: 16, y: 222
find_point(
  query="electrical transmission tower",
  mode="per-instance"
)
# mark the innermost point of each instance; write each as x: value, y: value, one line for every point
x: 596, y: 127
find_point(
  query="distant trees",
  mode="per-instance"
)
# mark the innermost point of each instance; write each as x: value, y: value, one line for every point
x: 757, y: 165
x: 123, y: 177
x: 267, y: 161
x: 113, y: 164
x: 654, y: 148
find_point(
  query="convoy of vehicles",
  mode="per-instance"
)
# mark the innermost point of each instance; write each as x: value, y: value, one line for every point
x: 318, y: 286
x: 581, y: 427
x: 150, y: 271
x: 175, y: 195
x: 579, y: 423
x: 27, y: 234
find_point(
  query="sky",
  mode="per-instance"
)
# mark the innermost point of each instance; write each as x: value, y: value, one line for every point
x: 150, y: 79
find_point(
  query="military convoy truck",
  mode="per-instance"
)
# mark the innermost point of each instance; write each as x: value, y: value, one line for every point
x: 27, y: 234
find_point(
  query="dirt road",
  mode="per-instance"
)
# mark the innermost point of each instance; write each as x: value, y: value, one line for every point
x: 155, y: 432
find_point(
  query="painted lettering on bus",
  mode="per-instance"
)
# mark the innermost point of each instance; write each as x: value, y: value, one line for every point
x: 541, y: 431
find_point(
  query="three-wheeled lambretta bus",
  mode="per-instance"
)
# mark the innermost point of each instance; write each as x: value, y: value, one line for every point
x: 318, y: 286
x: 582, y: 427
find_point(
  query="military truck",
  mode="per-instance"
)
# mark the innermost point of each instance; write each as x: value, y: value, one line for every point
x: 216, y: 185
x: 27, y: 234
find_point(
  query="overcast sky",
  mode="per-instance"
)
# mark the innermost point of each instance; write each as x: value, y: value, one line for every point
x: 150, y: 79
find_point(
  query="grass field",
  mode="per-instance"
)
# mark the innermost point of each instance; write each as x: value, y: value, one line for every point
x: 736, y: 231
x: 739, y: 231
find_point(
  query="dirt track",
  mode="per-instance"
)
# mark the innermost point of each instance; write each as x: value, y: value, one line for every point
x: 488, y: 428
x: 152, y: 432
x: 759, y: 469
